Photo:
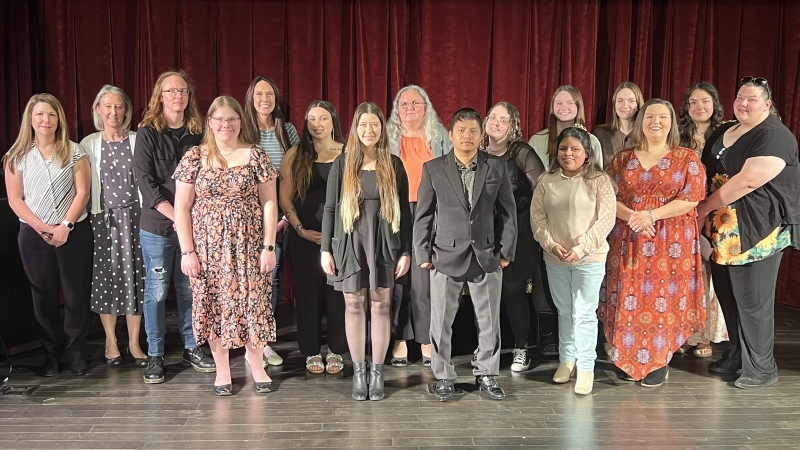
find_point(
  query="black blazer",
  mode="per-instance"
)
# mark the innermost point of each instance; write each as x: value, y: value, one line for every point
x: 446, y: 231
x: 390, y: 246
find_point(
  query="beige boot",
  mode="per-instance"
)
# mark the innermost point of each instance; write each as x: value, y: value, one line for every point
x: 564, y: 372
x: 583, y: 385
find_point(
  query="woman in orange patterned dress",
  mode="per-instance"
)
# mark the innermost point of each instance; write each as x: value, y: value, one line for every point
x: 226, y: 212
x: 654, y: 285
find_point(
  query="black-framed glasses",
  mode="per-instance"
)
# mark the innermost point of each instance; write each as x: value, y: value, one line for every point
x: 758, y: 81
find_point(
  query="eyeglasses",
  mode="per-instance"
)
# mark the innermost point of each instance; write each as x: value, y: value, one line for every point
x: 230, y: 121
x: 500, y: 120
x: 758, y: 81
x: 415, y: 104
x: 174, y: 91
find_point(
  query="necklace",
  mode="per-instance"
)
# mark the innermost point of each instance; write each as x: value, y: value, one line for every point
x: 227, y: 154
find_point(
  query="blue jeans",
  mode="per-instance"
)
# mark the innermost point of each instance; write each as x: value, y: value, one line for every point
x: 162, y: 263
x: 576, y: 293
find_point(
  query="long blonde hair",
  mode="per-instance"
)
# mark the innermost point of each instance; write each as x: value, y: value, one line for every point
x: 209, y: 143
x: 25, y: 138
x: 154, y: 114
x: 384, y: 173
x: 552, y: 128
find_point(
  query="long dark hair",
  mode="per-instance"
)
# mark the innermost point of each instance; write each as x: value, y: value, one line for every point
x: 686, y: 125
x: 278, y: 115
x: 305, y: 154
x: 591, y: 170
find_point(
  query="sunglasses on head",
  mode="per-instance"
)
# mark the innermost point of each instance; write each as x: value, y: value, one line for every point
x: 758, y: 81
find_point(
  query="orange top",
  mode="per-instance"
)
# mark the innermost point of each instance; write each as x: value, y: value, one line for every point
x: 414, y: 153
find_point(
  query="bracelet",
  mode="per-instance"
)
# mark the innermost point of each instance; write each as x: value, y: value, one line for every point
x: 652, y: 219
x: 187, y: 253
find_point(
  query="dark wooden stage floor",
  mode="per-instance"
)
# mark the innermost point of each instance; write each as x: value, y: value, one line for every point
x: 113, y: 408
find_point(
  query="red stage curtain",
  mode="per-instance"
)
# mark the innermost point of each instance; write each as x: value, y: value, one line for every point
x: 465, y: 53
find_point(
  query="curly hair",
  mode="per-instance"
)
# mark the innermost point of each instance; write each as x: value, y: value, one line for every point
x: 686, y: 125
x: 514, y: 133
x: 430, y: 121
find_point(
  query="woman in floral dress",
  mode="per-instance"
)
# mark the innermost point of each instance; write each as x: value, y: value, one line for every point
x: 654, y: 278
x: 225, y: 213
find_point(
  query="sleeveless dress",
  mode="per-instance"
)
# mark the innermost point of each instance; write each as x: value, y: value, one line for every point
x: 231, y: 297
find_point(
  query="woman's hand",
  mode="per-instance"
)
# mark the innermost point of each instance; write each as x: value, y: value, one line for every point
x: 190, y: 266
x: 571, y: 256
x: 328, y: 265
x: 60, y: 235
x: 267, y: 261
x: 559, y: 251
x: 640, y: 221
x: 403, y: 264
x: 311, y: 235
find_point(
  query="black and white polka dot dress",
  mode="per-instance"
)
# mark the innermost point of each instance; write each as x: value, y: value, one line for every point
x: 117, y: 285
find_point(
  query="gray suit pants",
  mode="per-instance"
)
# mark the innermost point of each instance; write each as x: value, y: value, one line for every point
x: 484, y: 288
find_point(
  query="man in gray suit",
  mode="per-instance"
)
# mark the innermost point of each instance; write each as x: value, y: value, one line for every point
x: 465, y: 231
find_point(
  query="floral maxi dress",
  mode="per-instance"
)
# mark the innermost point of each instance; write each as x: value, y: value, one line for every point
x: 231, y: 297
x: 654, y: 297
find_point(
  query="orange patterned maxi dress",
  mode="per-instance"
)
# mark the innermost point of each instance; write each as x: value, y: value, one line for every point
x: 654, y: 286
x: 231, y: 297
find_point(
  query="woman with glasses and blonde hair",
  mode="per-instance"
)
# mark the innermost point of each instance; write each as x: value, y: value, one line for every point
x: 502, y: 137
x: 48, y: 182
x: 115, y: 211
x: 654, y: 277
x: 416, y: 136
x: 170, y: 127
x: 366, y: 240
x: 751, y: 215
x: 617, y: 134
x: 226, y: 212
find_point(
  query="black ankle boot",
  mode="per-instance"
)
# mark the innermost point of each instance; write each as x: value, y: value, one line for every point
x: 360, y: 381
x: 376, y: 391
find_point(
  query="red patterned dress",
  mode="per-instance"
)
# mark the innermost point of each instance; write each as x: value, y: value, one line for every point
x: 231, y: 297
x: 654, y: 286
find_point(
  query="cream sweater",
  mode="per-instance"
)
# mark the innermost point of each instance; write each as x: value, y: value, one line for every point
x: 565, y: 212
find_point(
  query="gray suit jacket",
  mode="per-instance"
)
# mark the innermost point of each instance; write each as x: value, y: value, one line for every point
x: 446, y: 232
x: 440, y: 143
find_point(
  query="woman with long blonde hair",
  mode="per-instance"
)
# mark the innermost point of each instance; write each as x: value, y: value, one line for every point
x: 226, y: 210
x: 366, y: 239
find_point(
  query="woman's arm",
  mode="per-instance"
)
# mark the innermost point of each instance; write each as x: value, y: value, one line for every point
x: 184, y: 200
x: 756, y: 172
x: 15, y: 191
x: 82, y: 177
x: 605, y: 215
x: 328, y: 216
x: 541, y: 232
x: 269, y: 204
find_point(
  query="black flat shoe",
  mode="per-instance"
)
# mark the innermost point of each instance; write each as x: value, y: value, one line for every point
x: 224, y: 390
x: 426, y: 361
x: 117, y: 361
x: 79, y: 366
x: 399, y: 362
x: 656, y: 378
x: 754, y: 383
x: 263, y: 388
x: 50, y: 366
x: 138, y: 362
x: 488, y: 384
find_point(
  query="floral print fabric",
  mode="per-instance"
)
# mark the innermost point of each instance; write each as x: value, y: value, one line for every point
x: 654, y: 295
x: 231, y: 297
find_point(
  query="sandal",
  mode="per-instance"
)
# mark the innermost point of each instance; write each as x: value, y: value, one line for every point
x: 702, y: 352
x: 334, y: 363
x: 314, y: 364
x: 682, y: 349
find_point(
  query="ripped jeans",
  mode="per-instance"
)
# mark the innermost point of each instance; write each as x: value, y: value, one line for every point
x: 162, y: 263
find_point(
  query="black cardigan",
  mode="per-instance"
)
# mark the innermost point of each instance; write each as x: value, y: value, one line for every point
x: 778, y: 200
x: 390, y: 246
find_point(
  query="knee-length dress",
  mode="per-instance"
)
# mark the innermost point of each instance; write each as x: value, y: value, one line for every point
x: 117, y: 285
x: 654, y: 297
x: 231, y: 297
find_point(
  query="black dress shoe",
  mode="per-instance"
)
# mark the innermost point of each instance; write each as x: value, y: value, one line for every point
x: 154, y: 372
x: 197, y: 359
x: 78, y: 364
x: 754, y: 383
x: 263, y: 388
x: 488, y: 384
x: 138, y: 362
x: 444, y: 390
x: 50, y: 366
x: 656, y: 378
x: 399, y: 361
x: 115, y: 361
x: 726, y: 366
x: 224, y: 390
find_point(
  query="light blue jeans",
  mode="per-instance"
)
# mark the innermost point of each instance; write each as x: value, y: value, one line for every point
x: 576, y: 292
x: 162, y: 263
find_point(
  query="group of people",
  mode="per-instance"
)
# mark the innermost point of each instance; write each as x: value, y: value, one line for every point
x: 653, y: 224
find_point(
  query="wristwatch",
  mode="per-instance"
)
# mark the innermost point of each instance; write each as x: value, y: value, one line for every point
x: 269, y: 248
x: 68, y: 224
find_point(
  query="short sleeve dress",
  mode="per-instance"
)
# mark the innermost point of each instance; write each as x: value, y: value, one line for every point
x: 654, y: 286
x: 231, y: 297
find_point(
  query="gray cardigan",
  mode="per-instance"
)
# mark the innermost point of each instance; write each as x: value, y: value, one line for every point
x: 440, y: 143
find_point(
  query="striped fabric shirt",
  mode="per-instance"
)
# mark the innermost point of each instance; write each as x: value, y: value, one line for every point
x: 269, y: 142
x: 48, y: 189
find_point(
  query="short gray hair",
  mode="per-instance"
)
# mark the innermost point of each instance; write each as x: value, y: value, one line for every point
x: 109, y: 89
x: 430, y: 121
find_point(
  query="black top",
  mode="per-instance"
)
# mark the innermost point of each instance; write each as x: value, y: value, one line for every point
x: 309, y: 211
x: 524, y: 170
x: 155, y: 159
x: 389, y: 246
x: 763, y: 210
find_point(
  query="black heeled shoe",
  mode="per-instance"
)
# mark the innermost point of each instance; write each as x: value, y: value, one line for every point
x: 224, y: 390
x: 117, y: 361
x: 263, y: 388
x: 138, y: 362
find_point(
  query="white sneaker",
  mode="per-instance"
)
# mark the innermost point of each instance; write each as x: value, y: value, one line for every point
x: 474, y: 361
x: 521, y: 361
x: 271, y: 357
